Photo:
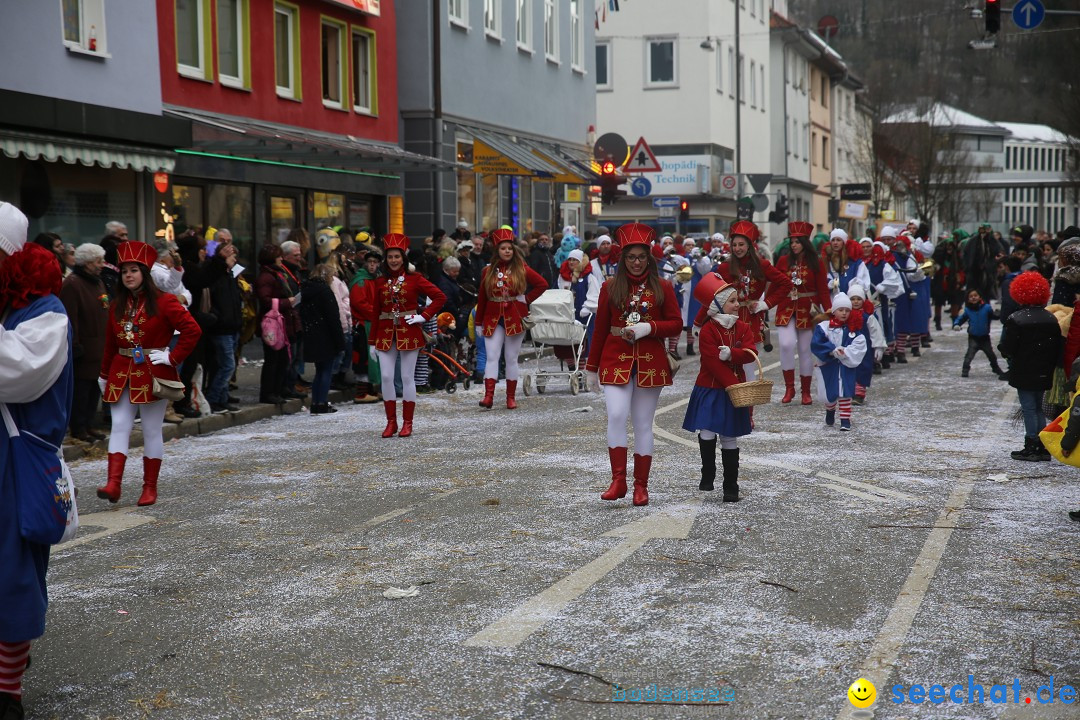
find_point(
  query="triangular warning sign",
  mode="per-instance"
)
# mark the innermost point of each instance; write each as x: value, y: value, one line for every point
x: 642, y: 159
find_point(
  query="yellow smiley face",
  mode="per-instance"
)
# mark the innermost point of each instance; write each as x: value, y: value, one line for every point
x: 862, y: 693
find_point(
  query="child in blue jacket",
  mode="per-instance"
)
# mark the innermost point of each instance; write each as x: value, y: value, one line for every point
x: 839, y: 347
x: 978, y: 314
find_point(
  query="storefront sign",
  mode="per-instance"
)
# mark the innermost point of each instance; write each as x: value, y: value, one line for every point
x: 574, y: 194
x: 397, y: 214
x: 854, y: 210
x: 679, y: 174
x: 488, y: 161
x: 855, y: 191
x: 161, y: 182
x: 371, y: 7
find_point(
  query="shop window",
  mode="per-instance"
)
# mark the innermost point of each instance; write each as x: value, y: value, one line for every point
x: 364, y: 76
x: 188, y: 209
x: 287, y: 50
x: 74, y: 201
x: 466, y: 185
x: 231, y: 207
x: 233, y: 32
x: 284, y: 216
x: 489, y: 198
x: 524, y: 24
x: 660, y: 63
x: 577, y: 36
x: 333, y: 63
x: 193, y: 39
x: 603, y: 66
x: 359, y: 214
x: 84, y: 26
x: 329, y: 209
x: 551, y: 30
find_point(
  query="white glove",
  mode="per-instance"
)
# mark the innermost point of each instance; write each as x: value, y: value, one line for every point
x: 838, y: 353
x: 102, y: 383
x: 640, y: 329
x: 878, y: 354
x: 880, y: 289
x: 160, y: 357
x: 695, y: 253
x: 833, y: 284
x: 593, y: 382
x: 414, y: 319
x: 725, y: 352
x: 696, y: 330
x: 585, y: 313
x: 295, y: 299
x: 669, y: 249
x: 761, y: 307
x: 956, y: 327
x: 520, y: 298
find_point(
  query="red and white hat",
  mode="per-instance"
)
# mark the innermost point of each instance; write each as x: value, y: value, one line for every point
x: 502, y: 235
x: 134, y: 251
x: 708, y: 286
x: 745, y: 228
x: 396, y: 241
x: 634, y: 234
x: 800, y: 229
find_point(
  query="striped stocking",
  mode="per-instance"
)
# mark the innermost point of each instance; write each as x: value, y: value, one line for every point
x: 902, y: 340
x: 860, y: 390
x: 12, y: 664
x: 845, y: 408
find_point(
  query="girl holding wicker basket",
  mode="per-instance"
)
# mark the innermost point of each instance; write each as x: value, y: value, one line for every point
x: 726, y: 345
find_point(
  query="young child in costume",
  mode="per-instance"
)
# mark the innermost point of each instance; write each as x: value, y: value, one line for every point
x: 726, y: 344
x: 875, y: 340
x: 978, y: 315
x: 839, y: 346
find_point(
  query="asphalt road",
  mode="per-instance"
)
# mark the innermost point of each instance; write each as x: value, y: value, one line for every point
x: 254, y: 588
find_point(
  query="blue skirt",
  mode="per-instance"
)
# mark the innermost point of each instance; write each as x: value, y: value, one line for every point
x: 711, y: 409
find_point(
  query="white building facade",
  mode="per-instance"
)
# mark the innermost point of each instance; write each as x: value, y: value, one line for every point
x: 1036, y: 166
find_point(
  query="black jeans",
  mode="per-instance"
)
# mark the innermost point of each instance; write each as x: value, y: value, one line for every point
x: 84, y: 404
x: 977, y: 343
x: 274, y: 370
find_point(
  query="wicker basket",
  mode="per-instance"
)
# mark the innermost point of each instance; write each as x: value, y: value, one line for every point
x: 752, y: 392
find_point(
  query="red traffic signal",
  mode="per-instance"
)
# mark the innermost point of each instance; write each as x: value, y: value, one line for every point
x: 607, y: 168
x: 684, y: 206
x: 992, y: 16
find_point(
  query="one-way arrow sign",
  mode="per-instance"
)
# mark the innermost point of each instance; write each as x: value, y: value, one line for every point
x: 1028, y: 14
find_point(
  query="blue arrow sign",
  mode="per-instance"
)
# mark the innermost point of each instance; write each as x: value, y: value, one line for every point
x: 1028, y: 14
x: 641, y: 187
x: 659, y: 202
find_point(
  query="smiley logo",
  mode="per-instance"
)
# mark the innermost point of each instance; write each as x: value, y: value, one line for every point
x: 862, y: 693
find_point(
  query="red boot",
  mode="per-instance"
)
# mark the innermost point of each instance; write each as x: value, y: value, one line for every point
x: 407, y: 409
x: 489, y: 393
x: 617, y: 489
x: 150, y: 469
x: 642, y: 465
x: 111, y: 491
x: 511, y: 388
x: 789, y: 384
x: 391, y: 418
x: 806, y: 389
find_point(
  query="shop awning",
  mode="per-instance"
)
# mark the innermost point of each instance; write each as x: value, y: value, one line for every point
x: 71, y: 150
x: 577, y: 167
x: 498, y: 154
x: 244, y: 138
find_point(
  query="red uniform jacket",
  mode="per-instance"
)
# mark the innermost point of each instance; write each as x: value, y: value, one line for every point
x: 778, y: 283
x: 717, y: 373
x: 149, y: 333
x: 614, y: 359
x: 378, y: 304
x: 504, y: 307
x: 813, y: 290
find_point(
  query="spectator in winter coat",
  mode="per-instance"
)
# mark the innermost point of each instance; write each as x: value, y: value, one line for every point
x: 1032, y: 344
x: 447, y: 281
x: 542, y: 261
x: 226, y: 304
x: 478, y: 260
x: 1008, y: 305
x: 323, y: 336
x: 272, y: 284
x: 87, y: 304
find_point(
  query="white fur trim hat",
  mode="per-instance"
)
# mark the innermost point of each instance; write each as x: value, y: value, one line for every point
x: 688, y: 242
x: 856, y: 290
x: 838, y: 233
x: 718, y: 237
x: 603, y: 239
x: 888, y: 231
x: 840, y: 300
x: 866, y: 240
x: 576, y: 255
x: 13, y: 225
x: 883, y: 246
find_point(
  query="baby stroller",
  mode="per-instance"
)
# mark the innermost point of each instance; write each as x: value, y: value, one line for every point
x: 555, y: 325
x: 448, y: 360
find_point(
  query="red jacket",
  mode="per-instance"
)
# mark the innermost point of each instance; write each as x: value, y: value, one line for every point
x: 717, y: 373
x: 149, y: 333
x: 489, y: 310
x: 814, y: 289
x: 613, y: 358
x: 778, y: 284
x: 375, y: 303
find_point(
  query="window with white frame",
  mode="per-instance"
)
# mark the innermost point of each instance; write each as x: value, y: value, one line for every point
x: 761, y: 84
x: 603, y: 66
x: 577, y: 35
x: 84, y: 25
x: 287, y: 50
x: 742, y: 77
x: 458, y: 11
x: 551, y: 29
x: 731, y: 70
x: 719, y: 67
x: 232, y: 46
x: 333, y: 63
x: 363, y: 71
x: 661, y: 62
x: 191, y: 38
x: 753, y: 83
x: 524, y: 23
x: 491, y: 17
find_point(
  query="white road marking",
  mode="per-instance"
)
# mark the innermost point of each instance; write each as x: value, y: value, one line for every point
x: 113, y: 521
x: 856, y: 493
x: 513, y: 628
x: 874, y: 489
x: 878, y: 666
x: 686, y: 401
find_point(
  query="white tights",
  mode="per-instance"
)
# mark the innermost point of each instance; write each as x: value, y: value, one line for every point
x: 388, y: 365
x: 750, y: 368
x: 500, y: 344
x: 123, y: 420
x: 639, y: 405
x: 727, y: 443
x: 789, y: 337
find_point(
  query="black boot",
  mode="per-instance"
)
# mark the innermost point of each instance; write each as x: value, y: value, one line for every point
x: 1028, y: 453
x: 730, y: 458
x: 11, y: 707
x: 1039, y: 451
x: 937, y: 323
x: 708, y: 463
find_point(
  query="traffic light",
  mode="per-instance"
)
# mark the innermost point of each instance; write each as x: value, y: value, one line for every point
x: 992, y: 15
x: 610, y: 182
x: 780, y: 212
x: 684, y: 211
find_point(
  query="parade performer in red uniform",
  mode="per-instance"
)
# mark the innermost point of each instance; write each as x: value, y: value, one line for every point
x: 637, y: 311
x: 795, y: 311
x: 391, y: 303
x: 507, y: 288
x: 142, y: 321
x: 726, y: 345
x: 758, y: 284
